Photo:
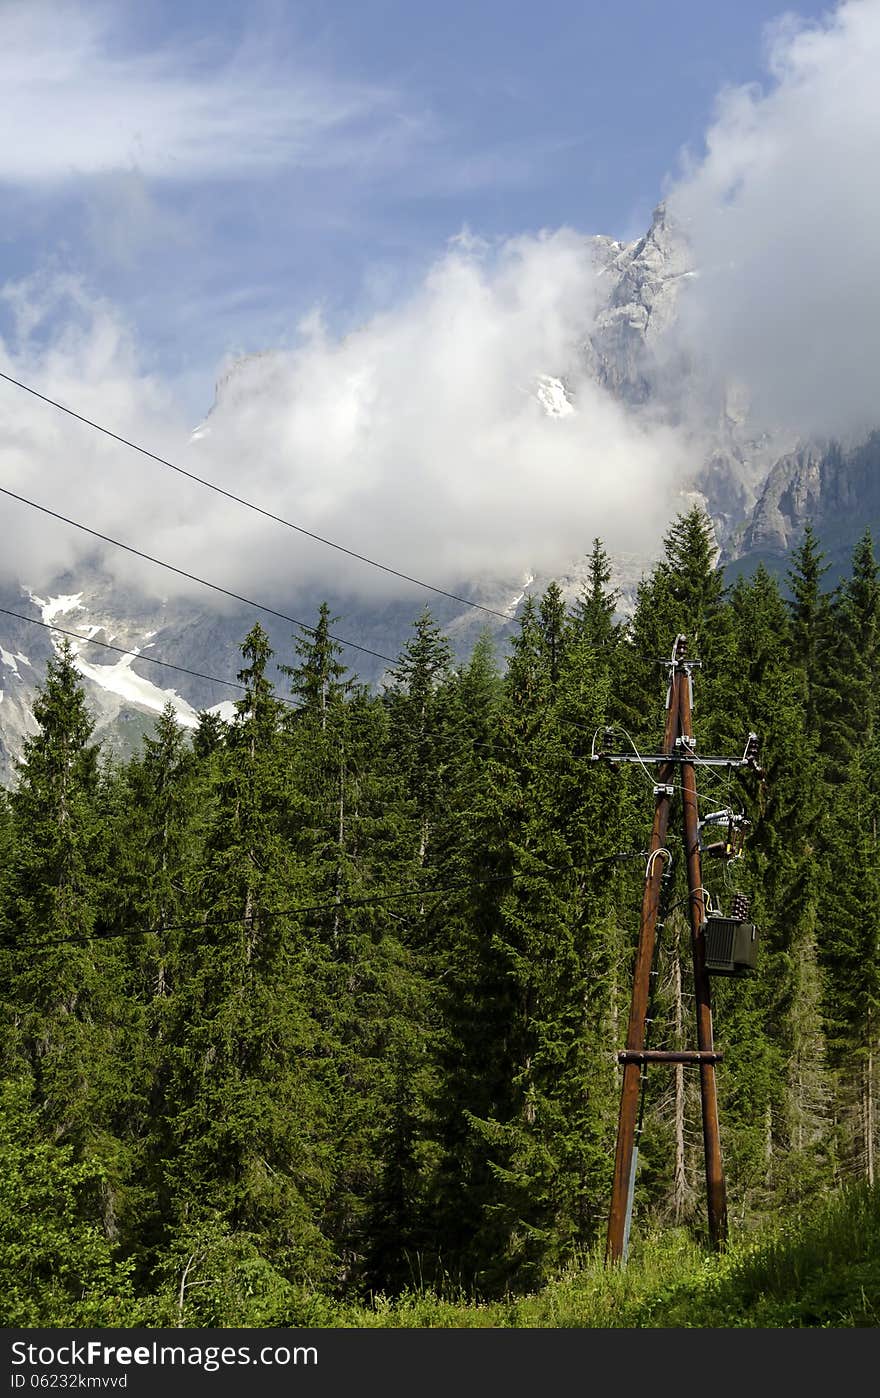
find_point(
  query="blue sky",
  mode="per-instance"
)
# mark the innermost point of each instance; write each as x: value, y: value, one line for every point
x: 216, y: 169
x: 392, y: 200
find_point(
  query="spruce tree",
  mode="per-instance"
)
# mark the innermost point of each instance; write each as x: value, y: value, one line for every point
x: 57, y: 1000
x: 850, y: 956
x: 852, y: 662
x: 523, y: 1123
x: 248, y: 1136
x: 416, y: 705
x: 595, y: 609
x: 318, y: 678
x: 811, y: 621
x: 770, y: 1025
x: 553, y: 620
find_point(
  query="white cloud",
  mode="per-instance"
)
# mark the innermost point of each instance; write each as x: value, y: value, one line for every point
x: 419, y: 440
x: 76, y: 349
x: 782, y: 211
x: 74, y: 102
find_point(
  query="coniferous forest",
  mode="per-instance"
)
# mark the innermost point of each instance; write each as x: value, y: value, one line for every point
x: 325, y: 1003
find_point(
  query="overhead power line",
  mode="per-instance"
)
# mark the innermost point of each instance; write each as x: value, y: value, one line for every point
x: 191, y: 577
x: 215, y: 679
x: 250, y: 505
x: 391, y: 896
x: 136, y: 654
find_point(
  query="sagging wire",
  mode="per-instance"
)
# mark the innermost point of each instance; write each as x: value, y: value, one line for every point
x: 726, y: 782
x: 617, y: 728
x: 649, y: 869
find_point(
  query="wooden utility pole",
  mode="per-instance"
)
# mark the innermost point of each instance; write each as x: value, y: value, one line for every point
x: 677, y: 754
x: 716, y: 1193
x: 626, y: 1155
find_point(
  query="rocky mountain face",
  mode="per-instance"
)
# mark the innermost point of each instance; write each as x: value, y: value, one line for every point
x: 632, y: 351
x: 641, y: 281
x: 834, y: 486
x: 759, y: 489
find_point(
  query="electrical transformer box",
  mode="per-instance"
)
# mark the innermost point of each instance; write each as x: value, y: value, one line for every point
x: 731, y: 945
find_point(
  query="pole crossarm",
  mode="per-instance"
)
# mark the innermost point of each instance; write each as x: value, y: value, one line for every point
x: 683, y: 750
x: 669, y: 1056
x: 613, y: 758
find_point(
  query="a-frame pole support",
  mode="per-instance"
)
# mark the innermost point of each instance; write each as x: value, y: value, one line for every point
x: 625, y: 1156
x: 679, y: 748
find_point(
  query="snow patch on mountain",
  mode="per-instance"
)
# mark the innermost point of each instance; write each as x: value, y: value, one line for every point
x: 134, y: 689
x: 553, y: 397
x: 225, y: 710
x: 529, y: 579
x: 58, y: 606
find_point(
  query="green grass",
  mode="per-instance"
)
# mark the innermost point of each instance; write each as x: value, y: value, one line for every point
x: 819, y: 1269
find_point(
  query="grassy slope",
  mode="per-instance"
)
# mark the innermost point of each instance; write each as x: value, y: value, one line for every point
x: 821, y: 1270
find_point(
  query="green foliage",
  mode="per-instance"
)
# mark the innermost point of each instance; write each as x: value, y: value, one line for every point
x: 57, y: 1267
x: 820, y: 1269
x: 325, y: 1002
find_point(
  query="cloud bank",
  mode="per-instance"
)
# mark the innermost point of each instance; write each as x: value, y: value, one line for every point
x: 782, y: 211
x: 421, y: 439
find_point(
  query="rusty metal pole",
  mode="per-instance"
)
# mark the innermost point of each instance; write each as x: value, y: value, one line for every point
x: 715, y: 1188
x: 635, y: 1035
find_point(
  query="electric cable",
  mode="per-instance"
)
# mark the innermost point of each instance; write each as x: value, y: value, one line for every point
x: 250, y: 504
x: 293, y: 910
x: 452, y: 732
x: 191, y: 577
x: 654, y: 853
x: 136, y: 654
x: 618, y: 728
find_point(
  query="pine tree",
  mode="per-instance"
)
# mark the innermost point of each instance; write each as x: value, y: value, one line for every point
x: 248, y: 1137
x: 811, y: 621
x: 416, y: 705
x: 57, y: 997
x: 595, y: 609
x: 318, y: 679
x: 851, y: 662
